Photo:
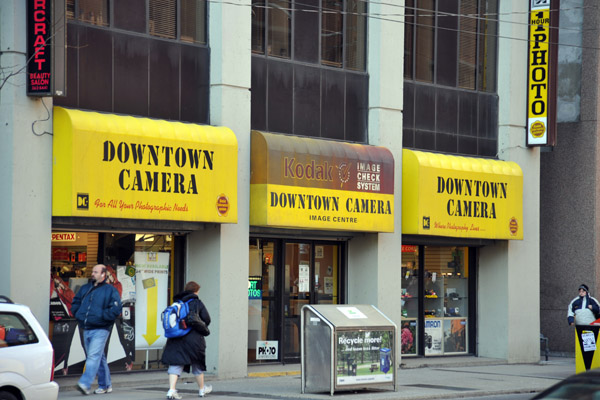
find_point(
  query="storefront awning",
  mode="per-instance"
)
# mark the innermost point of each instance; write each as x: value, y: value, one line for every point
x: 456, y: 196
x: 319, y: 184
x: 115, y: 166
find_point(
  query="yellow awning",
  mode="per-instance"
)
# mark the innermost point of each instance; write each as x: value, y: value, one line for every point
x: 320, y: 184
x: 116, y: 166
x: 445, y: 195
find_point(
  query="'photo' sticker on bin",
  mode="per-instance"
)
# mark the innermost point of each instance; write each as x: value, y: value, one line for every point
x: 589, y: 340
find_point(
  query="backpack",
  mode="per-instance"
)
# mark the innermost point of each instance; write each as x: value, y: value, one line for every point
x: 174, y: 319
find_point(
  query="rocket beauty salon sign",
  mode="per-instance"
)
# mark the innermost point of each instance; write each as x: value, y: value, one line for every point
x: 39, y: 53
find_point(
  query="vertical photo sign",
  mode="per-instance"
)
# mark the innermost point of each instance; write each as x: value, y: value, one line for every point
x: 39, y: 54
x: 538, y: 73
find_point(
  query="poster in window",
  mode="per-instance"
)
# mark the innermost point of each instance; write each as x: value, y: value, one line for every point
x: 408, y: 337
x: 433, y: 336
x: 455, y: 335
x: 318, y: 251
x: 303, y: 278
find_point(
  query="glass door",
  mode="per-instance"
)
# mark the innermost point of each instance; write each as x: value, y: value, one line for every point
x: 283, y: 277
x: 296, y: 293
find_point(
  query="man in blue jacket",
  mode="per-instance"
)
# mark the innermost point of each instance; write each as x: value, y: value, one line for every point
x: 96, y: 307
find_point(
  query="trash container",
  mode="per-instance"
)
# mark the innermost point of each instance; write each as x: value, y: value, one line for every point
x: 340, y: 347
x: 586, y: 341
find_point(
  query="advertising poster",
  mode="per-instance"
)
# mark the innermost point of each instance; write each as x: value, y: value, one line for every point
x: 151, y: 287
x: 364, y: 357
x: 304, y: 278
x: 433, y: 336
x: 67, y: 338
x: 455, y: 336
x: 408, y: 337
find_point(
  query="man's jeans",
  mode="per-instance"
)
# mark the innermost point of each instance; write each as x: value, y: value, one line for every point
x: 95, y: 363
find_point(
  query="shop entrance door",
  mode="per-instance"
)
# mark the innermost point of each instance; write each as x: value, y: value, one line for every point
x: 284, y: 275
x: 310, y: 277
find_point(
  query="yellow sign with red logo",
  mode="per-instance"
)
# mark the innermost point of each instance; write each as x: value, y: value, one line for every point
x: 115, y: 166
x: 456, y: 196
x: 319, y: 184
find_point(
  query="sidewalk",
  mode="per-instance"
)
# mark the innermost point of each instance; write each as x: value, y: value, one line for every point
x: 420, y: 378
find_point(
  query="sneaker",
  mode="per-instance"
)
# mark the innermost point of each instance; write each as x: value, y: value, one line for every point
x: 83, y: 389
x: 173, y: 394
x: 102, y: 391
x: 205, y: 390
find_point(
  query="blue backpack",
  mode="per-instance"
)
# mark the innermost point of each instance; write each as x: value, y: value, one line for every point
x: 174, y: 319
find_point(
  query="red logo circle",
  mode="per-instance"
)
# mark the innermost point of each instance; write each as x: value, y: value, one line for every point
x: 513, y: 226
x: 222, y: 205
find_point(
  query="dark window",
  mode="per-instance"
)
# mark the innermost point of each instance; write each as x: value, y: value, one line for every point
x: 341, y: 27
x: 409, y: 33
x: 170, y: 19
x: 450, y: 58
x: 467, y: 44
x: 487, y: 46
x: 163, y: 18
x: 193, y: 15
x: 331, y: 33
x: 452, y: 43
x: 356, y: 26
x: 280, y: 23
x: 91, y: 11
x: 425, y: 40
x: 258, y: 26
x: 141, y: 73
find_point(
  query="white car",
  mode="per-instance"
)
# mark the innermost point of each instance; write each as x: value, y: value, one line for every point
x: 26, y: 355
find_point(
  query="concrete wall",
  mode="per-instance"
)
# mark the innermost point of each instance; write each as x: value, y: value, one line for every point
x: 218, y: 257
x: 570, y: 201
x: 25, y: 173
x: 508, y: 280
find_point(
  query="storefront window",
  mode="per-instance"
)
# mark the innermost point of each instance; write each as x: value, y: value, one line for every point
x: 410, y: 299
x: 138, y: 265
x: 446, y: 299
x: 441, y: 285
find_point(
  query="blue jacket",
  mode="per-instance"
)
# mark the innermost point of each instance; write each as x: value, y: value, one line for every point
x: 96, y: 307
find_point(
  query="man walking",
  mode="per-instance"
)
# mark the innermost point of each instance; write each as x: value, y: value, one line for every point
x: 96, y: 307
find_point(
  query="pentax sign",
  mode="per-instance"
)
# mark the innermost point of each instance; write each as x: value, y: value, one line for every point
x: 541, y: 98
x: 39, y: 54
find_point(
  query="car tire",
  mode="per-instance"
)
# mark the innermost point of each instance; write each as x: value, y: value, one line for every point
x: 7, y: 396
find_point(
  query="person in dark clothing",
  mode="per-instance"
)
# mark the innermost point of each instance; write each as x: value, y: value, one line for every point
x: 189, y: 352
x: 96, y: 306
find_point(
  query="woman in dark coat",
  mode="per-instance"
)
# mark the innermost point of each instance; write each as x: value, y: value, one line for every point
x: 189, y: 352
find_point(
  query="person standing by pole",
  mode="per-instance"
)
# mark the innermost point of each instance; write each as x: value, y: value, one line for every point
x: 583, y: 308
x: 96, y: 307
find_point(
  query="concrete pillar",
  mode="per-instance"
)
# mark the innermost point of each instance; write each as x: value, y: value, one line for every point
x: 374, y: 260
x: 508, y: 282
x: 25, y: 173
x: 218, y: 256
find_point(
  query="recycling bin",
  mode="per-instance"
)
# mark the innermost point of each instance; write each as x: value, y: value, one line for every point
x: 346, y: 347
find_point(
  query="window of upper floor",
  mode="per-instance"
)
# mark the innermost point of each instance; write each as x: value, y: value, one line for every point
x: 183, y: 20
x: 452, y: 43
x: 326, y: 32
